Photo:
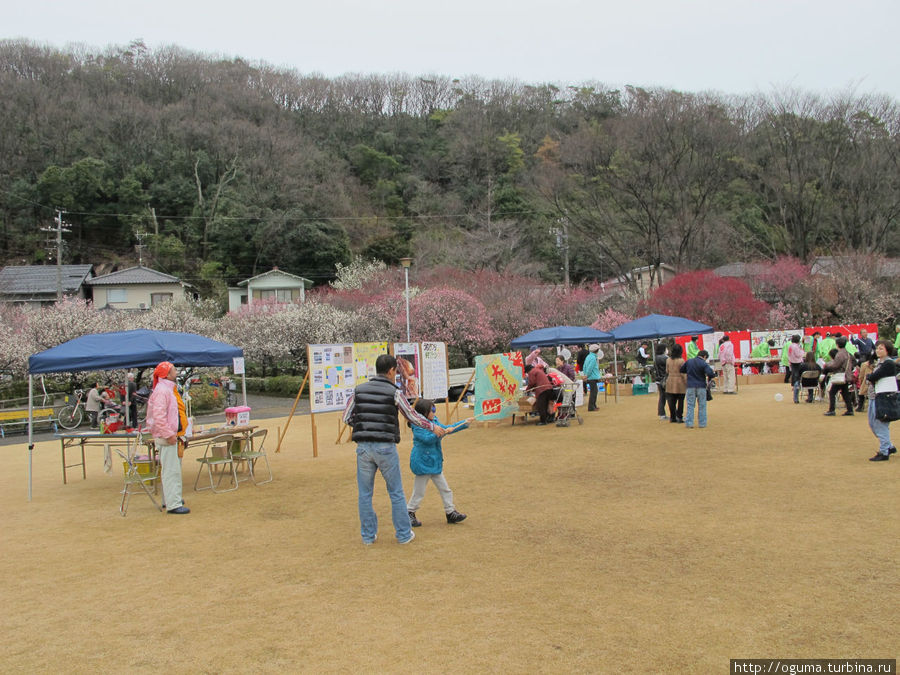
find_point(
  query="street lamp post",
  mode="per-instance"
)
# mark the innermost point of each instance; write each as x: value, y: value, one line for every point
x: 406, y: 262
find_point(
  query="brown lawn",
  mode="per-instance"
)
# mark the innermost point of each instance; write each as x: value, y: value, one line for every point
x: 623, y: 545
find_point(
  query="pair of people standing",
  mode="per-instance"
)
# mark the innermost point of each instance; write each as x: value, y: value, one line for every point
x: 372, y: 413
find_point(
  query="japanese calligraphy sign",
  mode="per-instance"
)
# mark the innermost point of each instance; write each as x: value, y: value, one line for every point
x: 498, y: 386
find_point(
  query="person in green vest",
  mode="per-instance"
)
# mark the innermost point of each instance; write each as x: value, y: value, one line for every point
x: 897, y: 339
x: 762, y: 350
x: 692, y: 347
x: 813, y: 342
x: 825, y: 346
x: 785, y: 362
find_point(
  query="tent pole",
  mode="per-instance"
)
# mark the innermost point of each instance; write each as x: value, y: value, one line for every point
x: 127, y: 403
x: 30, y: 429
x: 244, y: 386
x: 616, y: 369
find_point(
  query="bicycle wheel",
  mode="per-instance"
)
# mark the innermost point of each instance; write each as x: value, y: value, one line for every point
x: 69, y: 417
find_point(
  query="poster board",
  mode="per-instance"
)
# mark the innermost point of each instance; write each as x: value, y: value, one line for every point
x: 781, y: 338
x: 498, y: 387
x: 408, y: 368
x: 332, y: 377
x: 364, y: 356
x: 435, y: 375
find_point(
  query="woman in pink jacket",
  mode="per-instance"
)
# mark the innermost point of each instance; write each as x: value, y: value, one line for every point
x: 162, y: 421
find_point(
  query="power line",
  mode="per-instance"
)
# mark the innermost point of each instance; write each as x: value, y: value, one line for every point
x: 286, y: 220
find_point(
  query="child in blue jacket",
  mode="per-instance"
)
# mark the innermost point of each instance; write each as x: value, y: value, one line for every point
x: 426, y: 461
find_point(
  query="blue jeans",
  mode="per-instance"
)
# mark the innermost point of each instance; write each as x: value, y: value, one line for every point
x: 696, y: 395
x: 372, y: 457
x: 882, y: 430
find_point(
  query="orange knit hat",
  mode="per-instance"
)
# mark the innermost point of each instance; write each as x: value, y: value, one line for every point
x: 161, y: 372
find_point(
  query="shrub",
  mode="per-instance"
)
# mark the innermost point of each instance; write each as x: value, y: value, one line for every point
x: 283, y: 385
x: 206, y: 399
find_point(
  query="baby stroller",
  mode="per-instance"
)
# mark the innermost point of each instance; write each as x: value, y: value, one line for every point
x: 565, y: 405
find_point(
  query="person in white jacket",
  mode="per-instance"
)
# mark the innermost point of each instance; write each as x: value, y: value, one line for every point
x: 162, y: 421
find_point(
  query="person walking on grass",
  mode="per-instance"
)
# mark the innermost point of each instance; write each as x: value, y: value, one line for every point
x: 372, y: 414
x: 698, y: 372
x: 426, y: 461
x: 882, y: 380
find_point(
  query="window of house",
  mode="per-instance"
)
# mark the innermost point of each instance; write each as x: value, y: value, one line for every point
x: 116, y: 295
x: 157, y: 298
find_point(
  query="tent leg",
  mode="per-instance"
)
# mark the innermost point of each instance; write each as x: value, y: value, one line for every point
x: 30, y: 429
x: 616, y: 370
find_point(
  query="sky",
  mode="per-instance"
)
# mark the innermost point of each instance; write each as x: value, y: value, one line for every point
x: 727, y: 46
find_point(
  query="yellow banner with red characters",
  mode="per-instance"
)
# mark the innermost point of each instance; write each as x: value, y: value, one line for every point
x: 498, y: 386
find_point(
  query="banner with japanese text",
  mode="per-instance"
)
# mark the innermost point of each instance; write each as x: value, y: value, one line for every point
x: 498, y: 387
x: 435, y: 376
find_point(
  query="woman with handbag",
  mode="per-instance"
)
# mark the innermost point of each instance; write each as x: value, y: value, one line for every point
x: 883, y: 390
x: 841, y: 370
x: 676, y: 384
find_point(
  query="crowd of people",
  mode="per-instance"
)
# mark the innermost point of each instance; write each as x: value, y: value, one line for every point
x: 684, y: 386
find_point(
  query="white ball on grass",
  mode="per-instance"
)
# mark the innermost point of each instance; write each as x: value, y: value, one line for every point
x: 779, y: 398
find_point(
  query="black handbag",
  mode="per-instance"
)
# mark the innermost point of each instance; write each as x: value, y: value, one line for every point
x: 709, y: 391
x: 887, y: 406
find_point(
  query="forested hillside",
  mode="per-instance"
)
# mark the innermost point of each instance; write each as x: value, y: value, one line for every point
x: 223, y: 169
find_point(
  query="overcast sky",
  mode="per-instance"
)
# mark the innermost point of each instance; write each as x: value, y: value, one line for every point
x: 731, y: 46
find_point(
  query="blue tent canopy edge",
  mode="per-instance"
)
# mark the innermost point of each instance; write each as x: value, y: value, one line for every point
x: 132, y: 349
x: 560, y: 335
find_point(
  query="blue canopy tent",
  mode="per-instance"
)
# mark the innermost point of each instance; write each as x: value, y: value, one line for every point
x: 126, y: 349
x: 561, y: 335
x: 653, y: 327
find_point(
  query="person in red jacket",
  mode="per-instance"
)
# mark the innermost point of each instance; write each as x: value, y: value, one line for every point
x: 538, y: 385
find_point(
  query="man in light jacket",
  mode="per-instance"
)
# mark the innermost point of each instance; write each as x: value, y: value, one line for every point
x: 162, y: 421
x: 726, y: 357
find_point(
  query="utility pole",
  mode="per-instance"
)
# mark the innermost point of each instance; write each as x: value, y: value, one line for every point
x: 59, y: 229
x: 562, y: 243
x: 140, y: 247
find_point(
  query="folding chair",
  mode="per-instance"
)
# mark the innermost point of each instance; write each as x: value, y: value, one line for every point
x: 139, y: 477
x: 217, y: 454
x: 251, y: 451
x: 813, y: 389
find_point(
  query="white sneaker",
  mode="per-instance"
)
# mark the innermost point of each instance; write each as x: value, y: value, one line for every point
x: 412, y: 535
x: 663, y: 417
x: 369, y: 543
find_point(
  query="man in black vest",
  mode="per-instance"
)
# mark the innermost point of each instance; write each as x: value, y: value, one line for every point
x: 372, y: 413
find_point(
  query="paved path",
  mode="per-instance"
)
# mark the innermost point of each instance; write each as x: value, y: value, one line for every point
x: 262, y: 407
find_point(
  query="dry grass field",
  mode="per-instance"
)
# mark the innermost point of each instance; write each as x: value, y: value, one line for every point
x: 623, y: 545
